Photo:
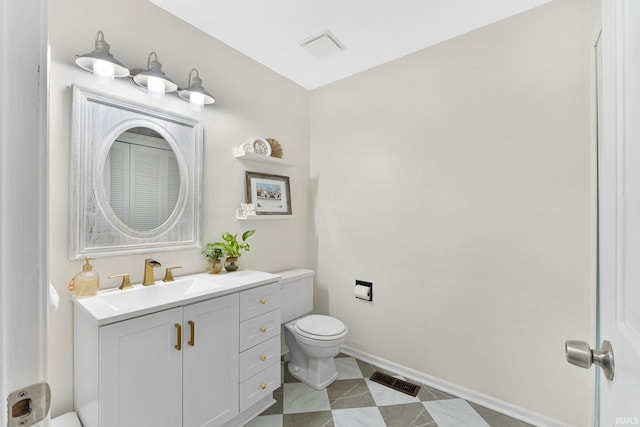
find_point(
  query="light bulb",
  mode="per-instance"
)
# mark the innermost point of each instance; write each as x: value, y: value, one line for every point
x: 103, y: 71
x: 155, y: 87
x: 197, y: 100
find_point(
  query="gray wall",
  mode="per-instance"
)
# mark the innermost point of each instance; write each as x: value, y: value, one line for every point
x: 460, y: 181
x: 251, y: 101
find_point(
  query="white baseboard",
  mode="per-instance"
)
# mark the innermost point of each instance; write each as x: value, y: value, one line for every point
x: 465, y: 393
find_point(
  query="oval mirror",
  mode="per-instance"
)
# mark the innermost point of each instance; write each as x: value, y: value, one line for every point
x: 142, y: 178
x: 136, y: 175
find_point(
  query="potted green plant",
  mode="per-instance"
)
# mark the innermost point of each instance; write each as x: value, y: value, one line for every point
x: 232, y: 248
x: 213, y: 255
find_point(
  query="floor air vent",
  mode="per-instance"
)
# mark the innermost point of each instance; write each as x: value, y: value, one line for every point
x: 395, y: 383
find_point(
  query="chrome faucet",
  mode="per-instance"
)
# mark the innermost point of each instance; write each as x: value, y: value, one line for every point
x: 149, y: 265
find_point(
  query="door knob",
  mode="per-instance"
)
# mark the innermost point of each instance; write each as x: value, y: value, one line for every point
x: 580, y: 354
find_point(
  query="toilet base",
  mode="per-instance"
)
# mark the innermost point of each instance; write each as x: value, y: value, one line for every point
x: 300, y: 373
x: 312, y: 362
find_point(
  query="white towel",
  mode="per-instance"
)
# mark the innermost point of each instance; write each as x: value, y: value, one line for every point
x: 54, y: 298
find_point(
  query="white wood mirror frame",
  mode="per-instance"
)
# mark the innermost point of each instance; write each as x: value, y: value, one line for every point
x: 95, y: 230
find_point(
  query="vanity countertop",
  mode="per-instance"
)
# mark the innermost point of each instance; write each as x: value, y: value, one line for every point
x: 114, y: 305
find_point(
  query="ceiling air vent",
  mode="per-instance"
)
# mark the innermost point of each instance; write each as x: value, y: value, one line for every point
x: 322, y: 45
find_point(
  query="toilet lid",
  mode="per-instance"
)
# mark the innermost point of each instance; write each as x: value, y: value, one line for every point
x: 319, y: 325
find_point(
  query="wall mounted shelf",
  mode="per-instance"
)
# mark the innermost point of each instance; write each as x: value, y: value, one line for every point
x: 240, y: 217
x: 253, y: 157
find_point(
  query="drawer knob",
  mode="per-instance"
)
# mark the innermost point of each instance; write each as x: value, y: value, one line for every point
x: 263, y: 329
x: 263, y: 386
x: 263, y: 300
x: 263, y: 357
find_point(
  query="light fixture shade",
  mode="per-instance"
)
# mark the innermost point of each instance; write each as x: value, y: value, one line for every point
x: 100, y: 58
x: 153, y: 76
x: 195, y: 93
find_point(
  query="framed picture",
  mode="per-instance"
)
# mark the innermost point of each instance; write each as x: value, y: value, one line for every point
x: 270, y: 194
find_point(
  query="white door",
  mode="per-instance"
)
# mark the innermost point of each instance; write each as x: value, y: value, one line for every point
x: 210, y: 362
x: 619, y: 222
x: 23, y: 212
x: 141, y: 371
x: 618, y: 334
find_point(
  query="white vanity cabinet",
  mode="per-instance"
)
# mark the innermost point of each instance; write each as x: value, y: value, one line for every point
x: 259, y: 344
x: 209, y: 359
x: 176, y: 367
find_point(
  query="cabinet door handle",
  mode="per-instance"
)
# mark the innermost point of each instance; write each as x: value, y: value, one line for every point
x: 263, y: 386
x: 178, y: 345
x: 192, y: 337
x: 263, y: 300
x: 263, y: 357
x: 263, y: 329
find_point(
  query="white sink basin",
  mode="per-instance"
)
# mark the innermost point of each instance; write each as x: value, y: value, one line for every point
x: 113, y: 305
x: 149, y: 296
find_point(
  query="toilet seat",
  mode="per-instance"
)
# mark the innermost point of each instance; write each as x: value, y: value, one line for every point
x: 319, y: 327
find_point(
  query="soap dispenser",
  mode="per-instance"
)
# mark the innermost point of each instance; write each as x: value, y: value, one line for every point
x: 86, y: 282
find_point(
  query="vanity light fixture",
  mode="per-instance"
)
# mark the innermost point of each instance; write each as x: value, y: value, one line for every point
x: 101, y: 63
x: 153, y: 79
x: 195, y: 93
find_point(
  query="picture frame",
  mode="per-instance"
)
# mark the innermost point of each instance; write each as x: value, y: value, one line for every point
x: 270, y: 194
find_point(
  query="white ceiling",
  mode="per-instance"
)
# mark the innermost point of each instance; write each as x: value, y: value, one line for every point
x: 372, y: 31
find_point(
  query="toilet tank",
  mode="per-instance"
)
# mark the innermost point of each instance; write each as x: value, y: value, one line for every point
x: 296, y: 293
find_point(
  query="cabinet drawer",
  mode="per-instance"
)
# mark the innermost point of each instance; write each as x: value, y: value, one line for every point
x: 259, y: 300
x: 260, y: 357
x: 259, y: 386
x: 259, y: 329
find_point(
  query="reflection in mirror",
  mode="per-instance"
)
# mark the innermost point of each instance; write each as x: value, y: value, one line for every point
x: 142, y: 178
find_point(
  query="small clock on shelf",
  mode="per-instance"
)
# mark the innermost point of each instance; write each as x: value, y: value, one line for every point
x: 261, y: 146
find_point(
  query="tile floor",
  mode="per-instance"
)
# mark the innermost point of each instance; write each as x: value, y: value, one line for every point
x: 353, y: 401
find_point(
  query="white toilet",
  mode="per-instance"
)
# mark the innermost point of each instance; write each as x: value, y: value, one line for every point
x: 313, y: 340
x: 70, y: 419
